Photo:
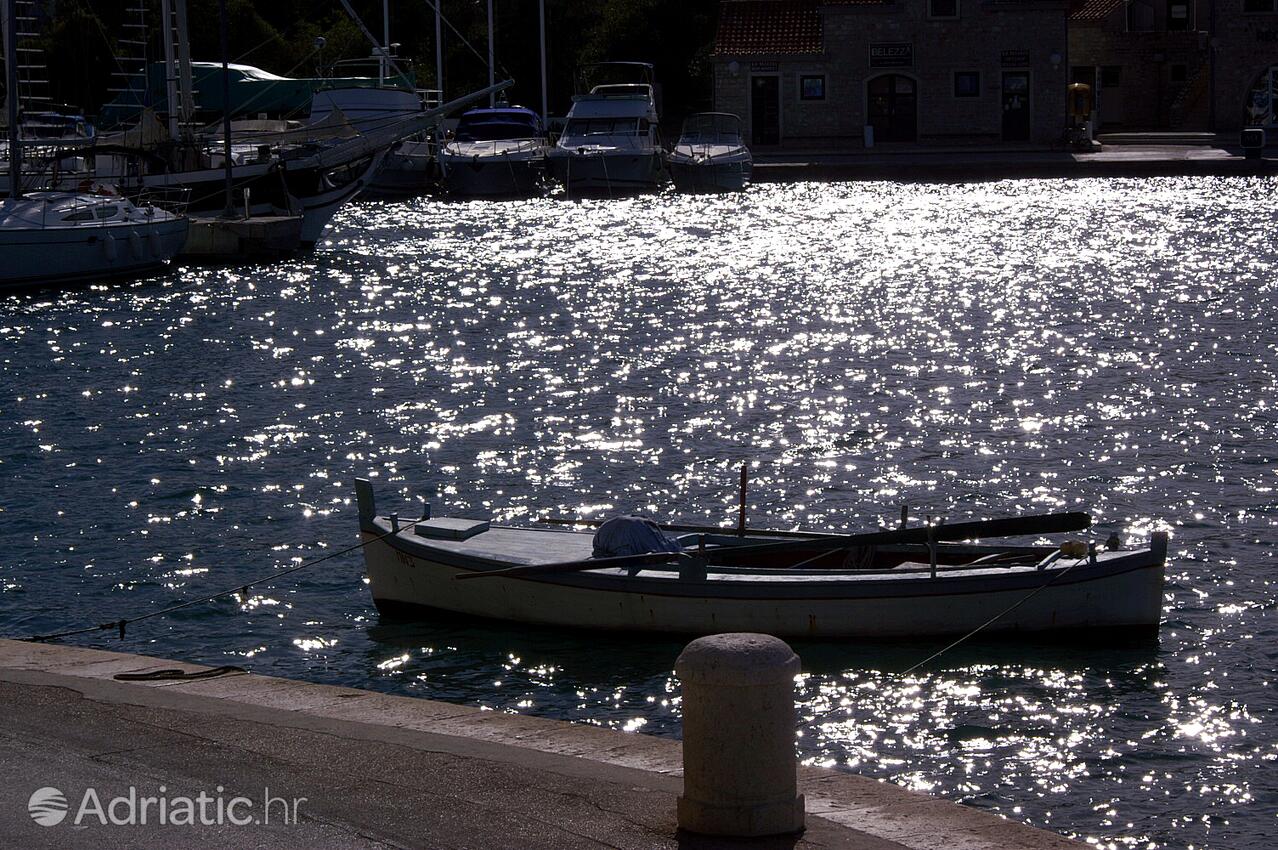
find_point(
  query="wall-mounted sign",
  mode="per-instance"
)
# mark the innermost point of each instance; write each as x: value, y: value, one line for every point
x: 891, y: 54
x: 1014, y: 58
x: 764, y: 67
x: 1267, y: 35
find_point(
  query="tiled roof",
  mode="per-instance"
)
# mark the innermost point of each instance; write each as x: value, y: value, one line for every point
x: 769, y: 28
x: 1093, y: 10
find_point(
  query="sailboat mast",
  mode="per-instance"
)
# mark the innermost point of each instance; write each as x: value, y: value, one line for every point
x: 382, y: 73
x: 492, y: 98
x: 545, y: 112
x: 229, y: 210
x: 11, y: 96
x: 439, y: 50
x: 170, y: 67
x: 186, y: 88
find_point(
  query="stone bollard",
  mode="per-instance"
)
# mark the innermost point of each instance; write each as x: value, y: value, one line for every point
x: 740, y: 777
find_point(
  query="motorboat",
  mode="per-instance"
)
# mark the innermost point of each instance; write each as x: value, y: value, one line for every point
x: 495, y: 151
x: 610, y: 144
x: 58, y: 237
x: 710, y: 155
x: 905, y: 583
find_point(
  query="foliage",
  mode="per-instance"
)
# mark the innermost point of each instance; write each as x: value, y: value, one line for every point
x: 81, y: 37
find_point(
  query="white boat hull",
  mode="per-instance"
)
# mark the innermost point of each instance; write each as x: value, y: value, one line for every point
x: 1124, y: 591
x: 492, y: 176
x: 409, y: 169
x: 33, y: 258
x: 703, y: 176
x: 610, y: 172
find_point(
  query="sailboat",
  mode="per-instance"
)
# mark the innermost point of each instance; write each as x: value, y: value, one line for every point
x: 311, y: 171
x: 56, y: 237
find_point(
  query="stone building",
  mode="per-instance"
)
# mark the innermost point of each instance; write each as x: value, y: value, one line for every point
x: 1244, y: 84
x: 816, y: 74
x: 1177, y: 64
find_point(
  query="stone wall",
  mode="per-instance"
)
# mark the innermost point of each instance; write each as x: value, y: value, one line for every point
x: 1246, y: 45
x: 989, y: 37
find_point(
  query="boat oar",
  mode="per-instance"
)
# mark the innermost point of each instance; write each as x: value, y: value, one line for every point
x: 1006, y: 527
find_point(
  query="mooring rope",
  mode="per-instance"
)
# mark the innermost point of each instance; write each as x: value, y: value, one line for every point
x: 239, y: 588
x: 1009, y: 609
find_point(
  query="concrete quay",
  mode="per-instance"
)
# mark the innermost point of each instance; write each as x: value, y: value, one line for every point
x: 911, y: 164
x: 364, y: 769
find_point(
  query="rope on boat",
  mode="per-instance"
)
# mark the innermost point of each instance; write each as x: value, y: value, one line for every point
x: 120, y: 624
x: 1000, y: 615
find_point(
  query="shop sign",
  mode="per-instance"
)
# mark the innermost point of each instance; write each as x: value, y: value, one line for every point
x: 764, y: 67
x: 891, y: 54
x: 1014, y: 58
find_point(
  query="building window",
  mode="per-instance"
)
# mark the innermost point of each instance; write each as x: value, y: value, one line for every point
x: 942, y: 8
x: 1255, y: 7
x: 812, y: 87
x: 1111, y: 76
x: 1140, y: 16
x: 1178, y: 16
x: 967, y: 84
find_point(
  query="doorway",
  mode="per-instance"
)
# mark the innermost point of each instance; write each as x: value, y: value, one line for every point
x: 1016, y: 106
x: 765, y: 110
x: 893, y: 108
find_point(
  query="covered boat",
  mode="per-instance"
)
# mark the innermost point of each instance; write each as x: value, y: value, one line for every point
x: 495, y: 151
x: 916, y: 582
x: 710, y: 155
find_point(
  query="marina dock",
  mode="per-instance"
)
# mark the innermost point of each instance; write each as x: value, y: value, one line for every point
x: 373, y: 770
x: 1135, y: 158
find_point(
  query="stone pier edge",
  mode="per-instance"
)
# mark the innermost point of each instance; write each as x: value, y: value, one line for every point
x: 880, y: 809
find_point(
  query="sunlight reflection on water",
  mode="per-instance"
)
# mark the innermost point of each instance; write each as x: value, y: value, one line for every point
x: 1105, y: 345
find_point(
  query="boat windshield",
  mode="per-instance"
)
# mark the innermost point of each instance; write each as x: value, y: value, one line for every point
x: 495, y: 129
x: 623, y: 90
x: 711, y: 130
x: 607, y: 127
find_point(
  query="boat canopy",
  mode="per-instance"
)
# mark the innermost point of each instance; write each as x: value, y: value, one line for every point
x: 711, y: 128
x: 498, y: 124
x: 253, y: 92
x: 607, y: 127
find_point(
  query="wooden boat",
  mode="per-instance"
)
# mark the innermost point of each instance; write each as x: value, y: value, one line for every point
x: 895, y: 584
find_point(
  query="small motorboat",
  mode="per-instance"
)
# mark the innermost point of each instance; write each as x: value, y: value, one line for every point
x: 610, y: 144
x: 495, y: 152
x: 906, y: 583
x: 710, y: 155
